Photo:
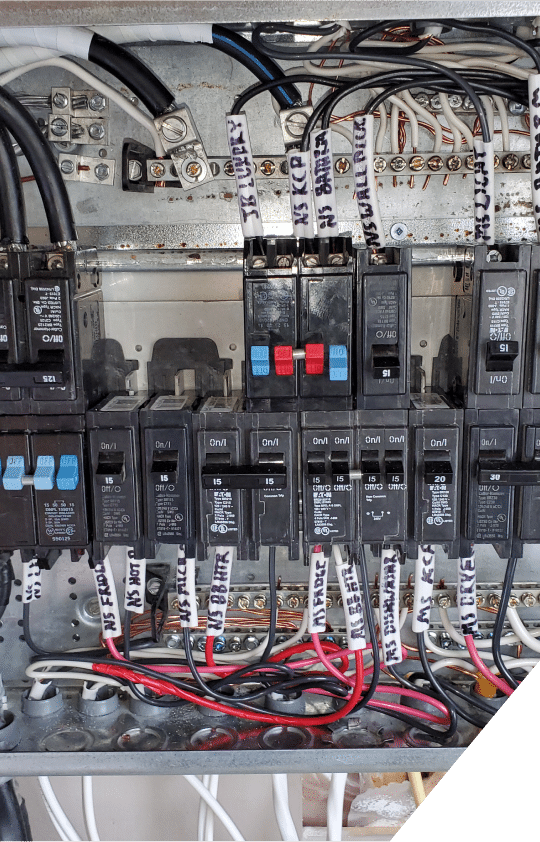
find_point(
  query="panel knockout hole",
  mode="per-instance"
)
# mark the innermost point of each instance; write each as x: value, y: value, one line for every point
x: 281, y: 737
x: 68, y: 739
x: 142, y: 739
x: 213, y: 739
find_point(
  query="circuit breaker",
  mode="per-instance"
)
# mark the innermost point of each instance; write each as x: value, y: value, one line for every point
x: 115, y: 472
x: 383, y: 319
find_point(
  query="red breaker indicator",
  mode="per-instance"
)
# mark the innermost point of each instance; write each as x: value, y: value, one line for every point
x: 283, y: 360
x: 314, y: 359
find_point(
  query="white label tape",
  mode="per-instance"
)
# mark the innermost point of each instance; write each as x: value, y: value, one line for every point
x: 135, y: 583
x: 185, y: 588
x: 466, y: 594
x: 31, y: 583
x: 108, y: 600
x: 484, y: 192
x: 352, y: 606
x: 364, y: 182
x: 219, y: 591
x: 244, y: 173
x: 318, y: 575
x: 300, y: 194
x: 324, y: 188
x: 534, y: 115
x: 423, y: 588
x: 389, y: 608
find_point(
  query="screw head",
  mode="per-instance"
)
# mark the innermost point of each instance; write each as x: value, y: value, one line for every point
x: 284, y: 167
x: 235, y: 644
x: 102, y: 171
x: 444, y: 601
x: 174, y: 641
x: 513, y: 602
x: 379, y: 164
x: 56, y: 263
x: 260, y: 601
x: 219, y: 643
x: 480, y: 600
x: 342, y: 165
x: 435, y: 102
x: 157, y: 169
x: 494, y: 256
x: 228, y: 168
x: 526, y: 162
x: 375, y: 600
x: 511, y: 161
x: 453, y: 163
x: 528, y: 599
x: 96, y: 131
x: 435, y: 163
x: 60, y: 100
x: 417, y: 163
x: 214, y: 168
x: 284, y: 261
x: 97, y: 102
x: 134, y: 170
x: 243, y: 603
x: 267, y: 168
x: 193, y: 169
x: 91, y: 607
x: 399, y: 231
x: 408, y: 600
x: 494, y: 600
x: 174, y: 129
x: 59, y: 127
x: 296, y: 123
x: 251, y: 642
x: 469, y: 162
x: 422, y: 100
x: 455, y: 100
x: 398, y: 164
x: 67, y: 166
x: 516, y: 108
x: 468, y: 104
x: 293, y: 602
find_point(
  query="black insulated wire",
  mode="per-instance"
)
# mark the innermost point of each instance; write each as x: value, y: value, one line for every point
x: 263, y: 67
x: 12, y: 213
x: 255, y: 90
x: 6, y: 576
x: 14, y: 823
x: 370, y: 619
x: 499, y: 623
x: 132, y: 72
x: 39, y: 155
x: 272, y: 585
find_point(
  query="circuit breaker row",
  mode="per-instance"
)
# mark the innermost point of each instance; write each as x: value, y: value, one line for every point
x: 179, y: 470
x: 328, y: 326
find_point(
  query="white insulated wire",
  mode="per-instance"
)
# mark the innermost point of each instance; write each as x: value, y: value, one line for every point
x: 428, y: 117
x: 89, y: 812
x: 215, y: 806
x: 334, y: 806
x: 457, y: 126
x: 53, y: 804
x: 523, y: 634
x: 201, y: 819
x: 282, y: 810
x: 503, y: 116
x: 209, y: 823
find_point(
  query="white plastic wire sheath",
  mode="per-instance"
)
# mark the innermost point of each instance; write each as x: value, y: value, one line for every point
x: 503, y: 116
x: 57, y: 827
x: 52, y: 801
x: 458, y: 126
x: 216, y: 807
x: 188, y: 33
x: 413, y: 122
x: 203, y: 808
x: 365, y: 183
x: 282, y: 810
x: 534, y: 114
x: 523, y: 634
x: 334, y: 806
x: 89, y: 78
x: 89, y: 813
x: 209, y: 823
x: 428, y: 117
x: 73, y: 40
x: 490, y: 113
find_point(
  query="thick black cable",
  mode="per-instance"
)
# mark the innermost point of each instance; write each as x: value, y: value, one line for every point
x: 132, y: 72
x: 499, y: 623
x: 370, y: 619
x: 255, y: 90
x: 452, y: 706
x: 272, y: 586
x: 14, y: 823
x: 261, y: 65
x: 12, y: 215
x: 43, y: 165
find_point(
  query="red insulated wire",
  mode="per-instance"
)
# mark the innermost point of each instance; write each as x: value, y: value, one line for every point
x: 209, y: 651
x: 497, y: 682
x: 327, y: 645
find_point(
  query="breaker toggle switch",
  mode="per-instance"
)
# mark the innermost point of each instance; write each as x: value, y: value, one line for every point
x: 371, y: 468
x: 515, y: 473
x: 283, y: 360
x: 44, y: 473
x: 385, y: 362
x: 316, y: 468
x: 67, y: 478
x: 315, y: 358
x: 112, y: 465
x: 337, y: 359
x: 165, y: 465
x: 12, y: 479
x: 260, y: 360
x: 394, y: 471
x: 340, y: 467
x: 438, y: 469
x: 500, y: 356
x: 271, y: 474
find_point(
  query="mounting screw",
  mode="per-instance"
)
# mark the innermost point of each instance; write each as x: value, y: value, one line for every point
x: 494, y: 256
x: 516, y: 108
x: 55, y: 262
x: 267, y: 168
x: 102, y: 171
x: 528, y: 599
x: 228, y: 168
x: 59, y: 127
x: 97, y: 102
x: 96, y: 131
x: 67, y: 166
x: 296, y: 123
x: 157, y: 169
x: 60, y: 100
x: 91, y: 607
x: 444, y: 601
x: 134, y: 170
x: 399, y: 231
x: 174, y: 129
x: 342, y: 165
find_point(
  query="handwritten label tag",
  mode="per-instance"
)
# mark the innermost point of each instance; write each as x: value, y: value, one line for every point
x: 318, y: 575
x: 352, y: 606
x: 244, y: 173
x: 108, y: 600
x: 389, y: 607
x: 484, y: 192
x: 364, y: 181
x: 300, y: 194
x: 466, y: 594
x: 534, y: 114
x: 219, y: 591
x: 185, y: 589
x: 424, y: 576
x: 322, y: 178
x: 31, y: 584
x: 135, y: 583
